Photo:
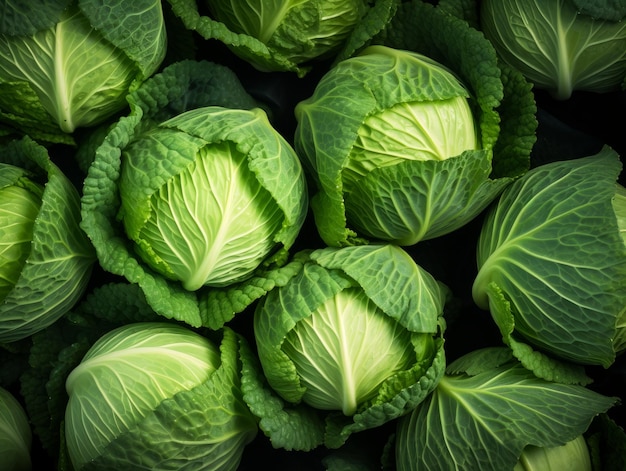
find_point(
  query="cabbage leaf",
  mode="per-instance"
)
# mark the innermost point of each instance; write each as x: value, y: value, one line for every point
x: 486, y: 409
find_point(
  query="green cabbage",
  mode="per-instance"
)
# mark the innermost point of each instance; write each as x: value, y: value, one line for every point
x: 297, y: 30
x: 404, y: 142
x: 16, y: 437
x: 486, y: 411
x: 45, y: 259
x: 552, y: 262
x: 157, y: 396
x: 70, y: 64
x: 196, y: 200
x: 355, y: 336
x: 559, y: 45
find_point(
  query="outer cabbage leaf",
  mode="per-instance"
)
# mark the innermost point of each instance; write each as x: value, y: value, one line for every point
x: 485, y: 411
x: 541, y: 364
x: 556, y: 46
x: 136, y: 28
x: 552, y: 248
x: 218, y: 306
x: 374, y: 21
x: 287, y: 427
x: 56, y: 272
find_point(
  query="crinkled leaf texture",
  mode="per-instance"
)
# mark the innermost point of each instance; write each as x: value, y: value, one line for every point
x: 297, y: 30
x: 57, y: 270
x: 180, y: 87
x: 552, y: 264
x: 486, y: 409
x: 400, y: 289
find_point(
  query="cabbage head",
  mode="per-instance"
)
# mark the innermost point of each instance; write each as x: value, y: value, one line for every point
x: 151, y: 395
x: 206, y: 195
x: 16, y: 436
x: 70, y: 63
x: 45, y: 258
x: 490, y: 413
x: 552, y: 262
x: 386, y: 136
x: 560, y: 46
x: 194, y: 195
x: 297, y: 31
x: 355, y: 335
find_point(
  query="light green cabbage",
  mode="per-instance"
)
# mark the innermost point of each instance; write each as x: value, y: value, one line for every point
x: 157, y: 396
x: 200, y: 199
x: 45, y: 259
x: 286, y: 35
x: 355, y: 336
x: 298, y: 30
x: 72, y: 63
x: 405, y: 141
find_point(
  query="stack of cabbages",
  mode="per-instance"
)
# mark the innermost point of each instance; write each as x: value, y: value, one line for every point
x: 312, y: 234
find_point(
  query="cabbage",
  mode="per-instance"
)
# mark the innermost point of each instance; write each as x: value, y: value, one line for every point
x: 552, y: 262
x: 195, y: 190
x: 488, y: 412
x: 196, y: 195
x: 296, y: 30
x: 70, y: 64
x: 402, y: 141
x: 157, y: 396
x: 355, y: 335
x: 45, y: 259
x: 16, y: 437
x: 560, y: 46
x: 286, y: 35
